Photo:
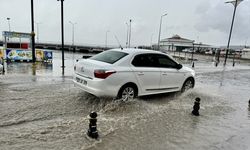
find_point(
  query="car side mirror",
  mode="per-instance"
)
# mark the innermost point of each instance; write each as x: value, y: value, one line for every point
x: 179, y: 66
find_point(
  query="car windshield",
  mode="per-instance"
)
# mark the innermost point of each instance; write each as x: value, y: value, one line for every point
x: 109, y: 56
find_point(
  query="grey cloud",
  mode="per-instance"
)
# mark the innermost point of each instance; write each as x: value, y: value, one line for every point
x: 219, y: 18
x: 203, y: 7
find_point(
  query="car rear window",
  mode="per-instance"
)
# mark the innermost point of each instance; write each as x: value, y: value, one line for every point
x: 109, y: 56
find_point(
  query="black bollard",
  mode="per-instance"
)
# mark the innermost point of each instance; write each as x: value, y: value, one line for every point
x: 92, y: 131
x: 193, y: 64
x: 216, y: 64
x: 2, y: 62
x: 3, y: 69
x: 196, y: 107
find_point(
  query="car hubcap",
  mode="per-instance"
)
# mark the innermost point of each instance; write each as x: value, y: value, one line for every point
x: 188, y: 85
x: 128, y: 94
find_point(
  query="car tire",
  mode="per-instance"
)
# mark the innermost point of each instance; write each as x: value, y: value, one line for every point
x: 127, y: 92
x: 188, y: 84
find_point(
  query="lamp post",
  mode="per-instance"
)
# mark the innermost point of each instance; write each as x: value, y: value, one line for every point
x: 129, y: 32
x: 73, y: 32
x: 37, y: 30
x: 32, y: 33
x: 9, y: 23
x: 246, y: 43
x: 160, y: 31
x: 151, y: 40
x: 127, y: 35
x: 106, y: 39
x: 235, y: 3
x: 62, y: 30
x: 192, y: 56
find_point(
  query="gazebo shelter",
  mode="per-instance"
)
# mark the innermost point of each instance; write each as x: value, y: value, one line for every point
x: 177, y: 43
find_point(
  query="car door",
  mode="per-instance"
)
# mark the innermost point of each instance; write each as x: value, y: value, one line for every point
x: 147, y: 75
x: 171, y: 77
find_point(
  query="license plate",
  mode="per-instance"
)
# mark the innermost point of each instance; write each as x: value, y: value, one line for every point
x: 84, y: 82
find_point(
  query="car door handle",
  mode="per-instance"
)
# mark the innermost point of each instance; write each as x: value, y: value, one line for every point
x: 140, y: 74
x: 164, y: 74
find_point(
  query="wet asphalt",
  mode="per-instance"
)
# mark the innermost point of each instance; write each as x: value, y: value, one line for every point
x: 41, y: 109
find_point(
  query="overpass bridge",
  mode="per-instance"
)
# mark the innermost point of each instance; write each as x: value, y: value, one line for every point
x: 84, y: 48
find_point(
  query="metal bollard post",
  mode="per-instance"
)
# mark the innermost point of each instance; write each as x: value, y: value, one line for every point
x: 92, y: 131
x: 193, y: 64
x: 196, y: 107
x: 2, y: 61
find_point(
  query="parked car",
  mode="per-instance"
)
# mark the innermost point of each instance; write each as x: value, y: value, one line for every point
x: 223, y: 52
x: 209, y: 52
x: 127, y: 73
x: 187, y: 50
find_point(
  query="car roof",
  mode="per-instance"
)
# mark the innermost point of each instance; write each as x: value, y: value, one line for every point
x: 135, y: 51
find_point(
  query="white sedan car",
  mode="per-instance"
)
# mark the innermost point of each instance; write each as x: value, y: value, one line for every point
x: 127, y: 73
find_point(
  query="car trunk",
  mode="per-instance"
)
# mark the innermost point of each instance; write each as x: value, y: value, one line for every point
x: 87, y: 67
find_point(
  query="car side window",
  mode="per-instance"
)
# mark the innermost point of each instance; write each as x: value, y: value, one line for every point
x: 144, y: 60
x: 166, y: 62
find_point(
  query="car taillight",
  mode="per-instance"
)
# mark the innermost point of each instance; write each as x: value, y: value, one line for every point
x: 103, y: 74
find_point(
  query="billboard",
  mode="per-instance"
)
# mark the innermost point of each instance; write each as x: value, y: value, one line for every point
x: 26, y: 55
x: 15, y: 54
x: 1, y: 53
x: 39, y: 55
x: 48, y: 55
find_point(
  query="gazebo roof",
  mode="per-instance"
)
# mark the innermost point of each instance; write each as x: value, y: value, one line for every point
x: 177, y: 38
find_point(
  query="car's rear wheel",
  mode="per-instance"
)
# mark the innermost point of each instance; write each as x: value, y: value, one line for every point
x: 127, y: 92
x: 188, y: 84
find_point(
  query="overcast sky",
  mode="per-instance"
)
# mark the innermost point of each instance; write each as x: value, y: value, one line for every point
x: 206, y: 21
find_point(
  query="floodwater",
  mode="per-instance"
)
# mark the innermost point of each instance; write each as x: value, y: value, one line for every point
x: 41, y: 109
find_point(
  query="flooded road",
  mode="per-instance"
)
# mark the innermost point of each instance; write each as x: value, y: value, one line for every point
x: 41, y: 109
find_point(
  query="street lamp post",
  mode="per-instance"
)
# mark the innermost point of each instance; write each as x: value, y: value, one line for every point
x: 73, y: 32
x: 151, y: 40
x: 127, y: 35
x: 106, y: 39
x: 192, y: 56
x: 246, y: 43
x: 129, y: 32
x: 160, y: 31
x: 9, y: 23
x: 62, y: 32
x: 32, y: 33
x: 37, y: 30
x: 235, y: 3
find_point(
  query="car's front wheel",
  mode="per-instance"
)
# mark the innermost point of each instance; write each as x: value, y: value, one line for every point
x: 188, y: 84
x: 127, y: 92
